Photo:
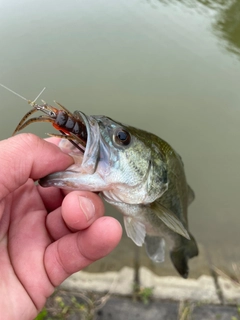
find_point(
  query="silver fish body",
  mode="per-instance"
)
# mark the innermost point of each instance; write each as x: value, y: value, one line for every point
x: 143, y: 177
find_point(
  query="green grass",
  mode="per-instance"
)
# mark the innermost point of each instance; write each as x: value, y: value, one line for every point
x: 142, y: 294
x: 185, y: 310
x: 62, y: 304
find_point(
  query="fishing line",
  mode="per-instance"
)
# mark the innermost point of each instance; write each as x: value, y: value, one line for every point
x: 17, y: 94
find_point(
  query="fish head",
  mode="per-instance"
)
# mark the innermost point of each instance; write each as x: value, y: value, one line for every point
x: 120, y: 161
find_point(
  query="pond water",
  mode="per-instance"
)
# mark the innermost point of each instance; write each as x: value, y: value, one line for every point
x: 169, y: 67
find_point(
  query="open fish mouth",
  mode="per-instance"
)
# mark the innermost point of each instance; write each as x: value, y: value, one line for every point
x: 85, y: 157
x: 83, y: 146
x: 90, y: 153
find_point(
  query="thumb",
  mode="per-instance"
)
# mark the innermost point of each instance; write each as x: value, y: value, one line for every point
x: 27, y: 156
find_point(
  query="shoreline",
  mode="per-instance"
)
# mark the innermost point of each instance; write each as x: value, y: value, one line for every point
x: 121, y: 283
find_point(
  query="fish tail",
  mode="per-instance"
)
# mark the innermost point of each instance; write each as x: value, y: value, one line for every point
x: 181, y: 255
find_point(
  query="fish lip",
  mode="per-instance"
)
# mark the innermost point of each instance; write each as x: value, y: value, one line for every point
x: 91, y: 152
x: 85, y: 121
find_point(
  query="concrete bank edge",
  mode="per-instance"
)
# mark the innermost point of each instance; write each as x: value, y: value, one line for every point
x: 174, y: 288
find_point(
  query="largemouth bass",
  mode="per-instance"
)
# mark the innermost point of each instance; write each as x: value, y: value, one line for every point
x: 143, y: 177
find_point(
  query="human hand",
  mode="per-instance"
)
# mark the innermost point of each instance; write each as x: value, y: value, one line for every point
x: 44, y: 235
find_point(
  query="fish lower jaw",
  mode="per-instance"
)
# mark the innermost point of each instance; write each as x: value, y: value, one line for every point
x: 113, y: 199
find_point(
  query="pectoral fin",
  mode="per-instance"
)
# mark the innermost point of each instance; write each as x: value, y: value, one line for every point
x: 155, y: 247
x: 170, y: 219
x: 135, y: 230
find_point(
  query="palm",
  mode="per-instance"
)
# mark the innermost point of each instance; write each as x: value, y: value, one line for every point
x: 24, y: 240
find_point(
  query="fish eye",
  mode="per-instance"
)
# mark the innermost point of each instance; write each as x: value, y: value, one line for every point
x: 122, y: 137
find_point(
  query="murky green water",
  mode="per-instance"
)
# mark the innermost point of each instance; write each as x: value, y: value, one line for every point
x: 171, y: 67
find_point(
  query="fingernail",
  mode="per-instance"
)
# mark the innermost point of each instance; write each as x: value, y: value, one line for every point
x: 87, y: 207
